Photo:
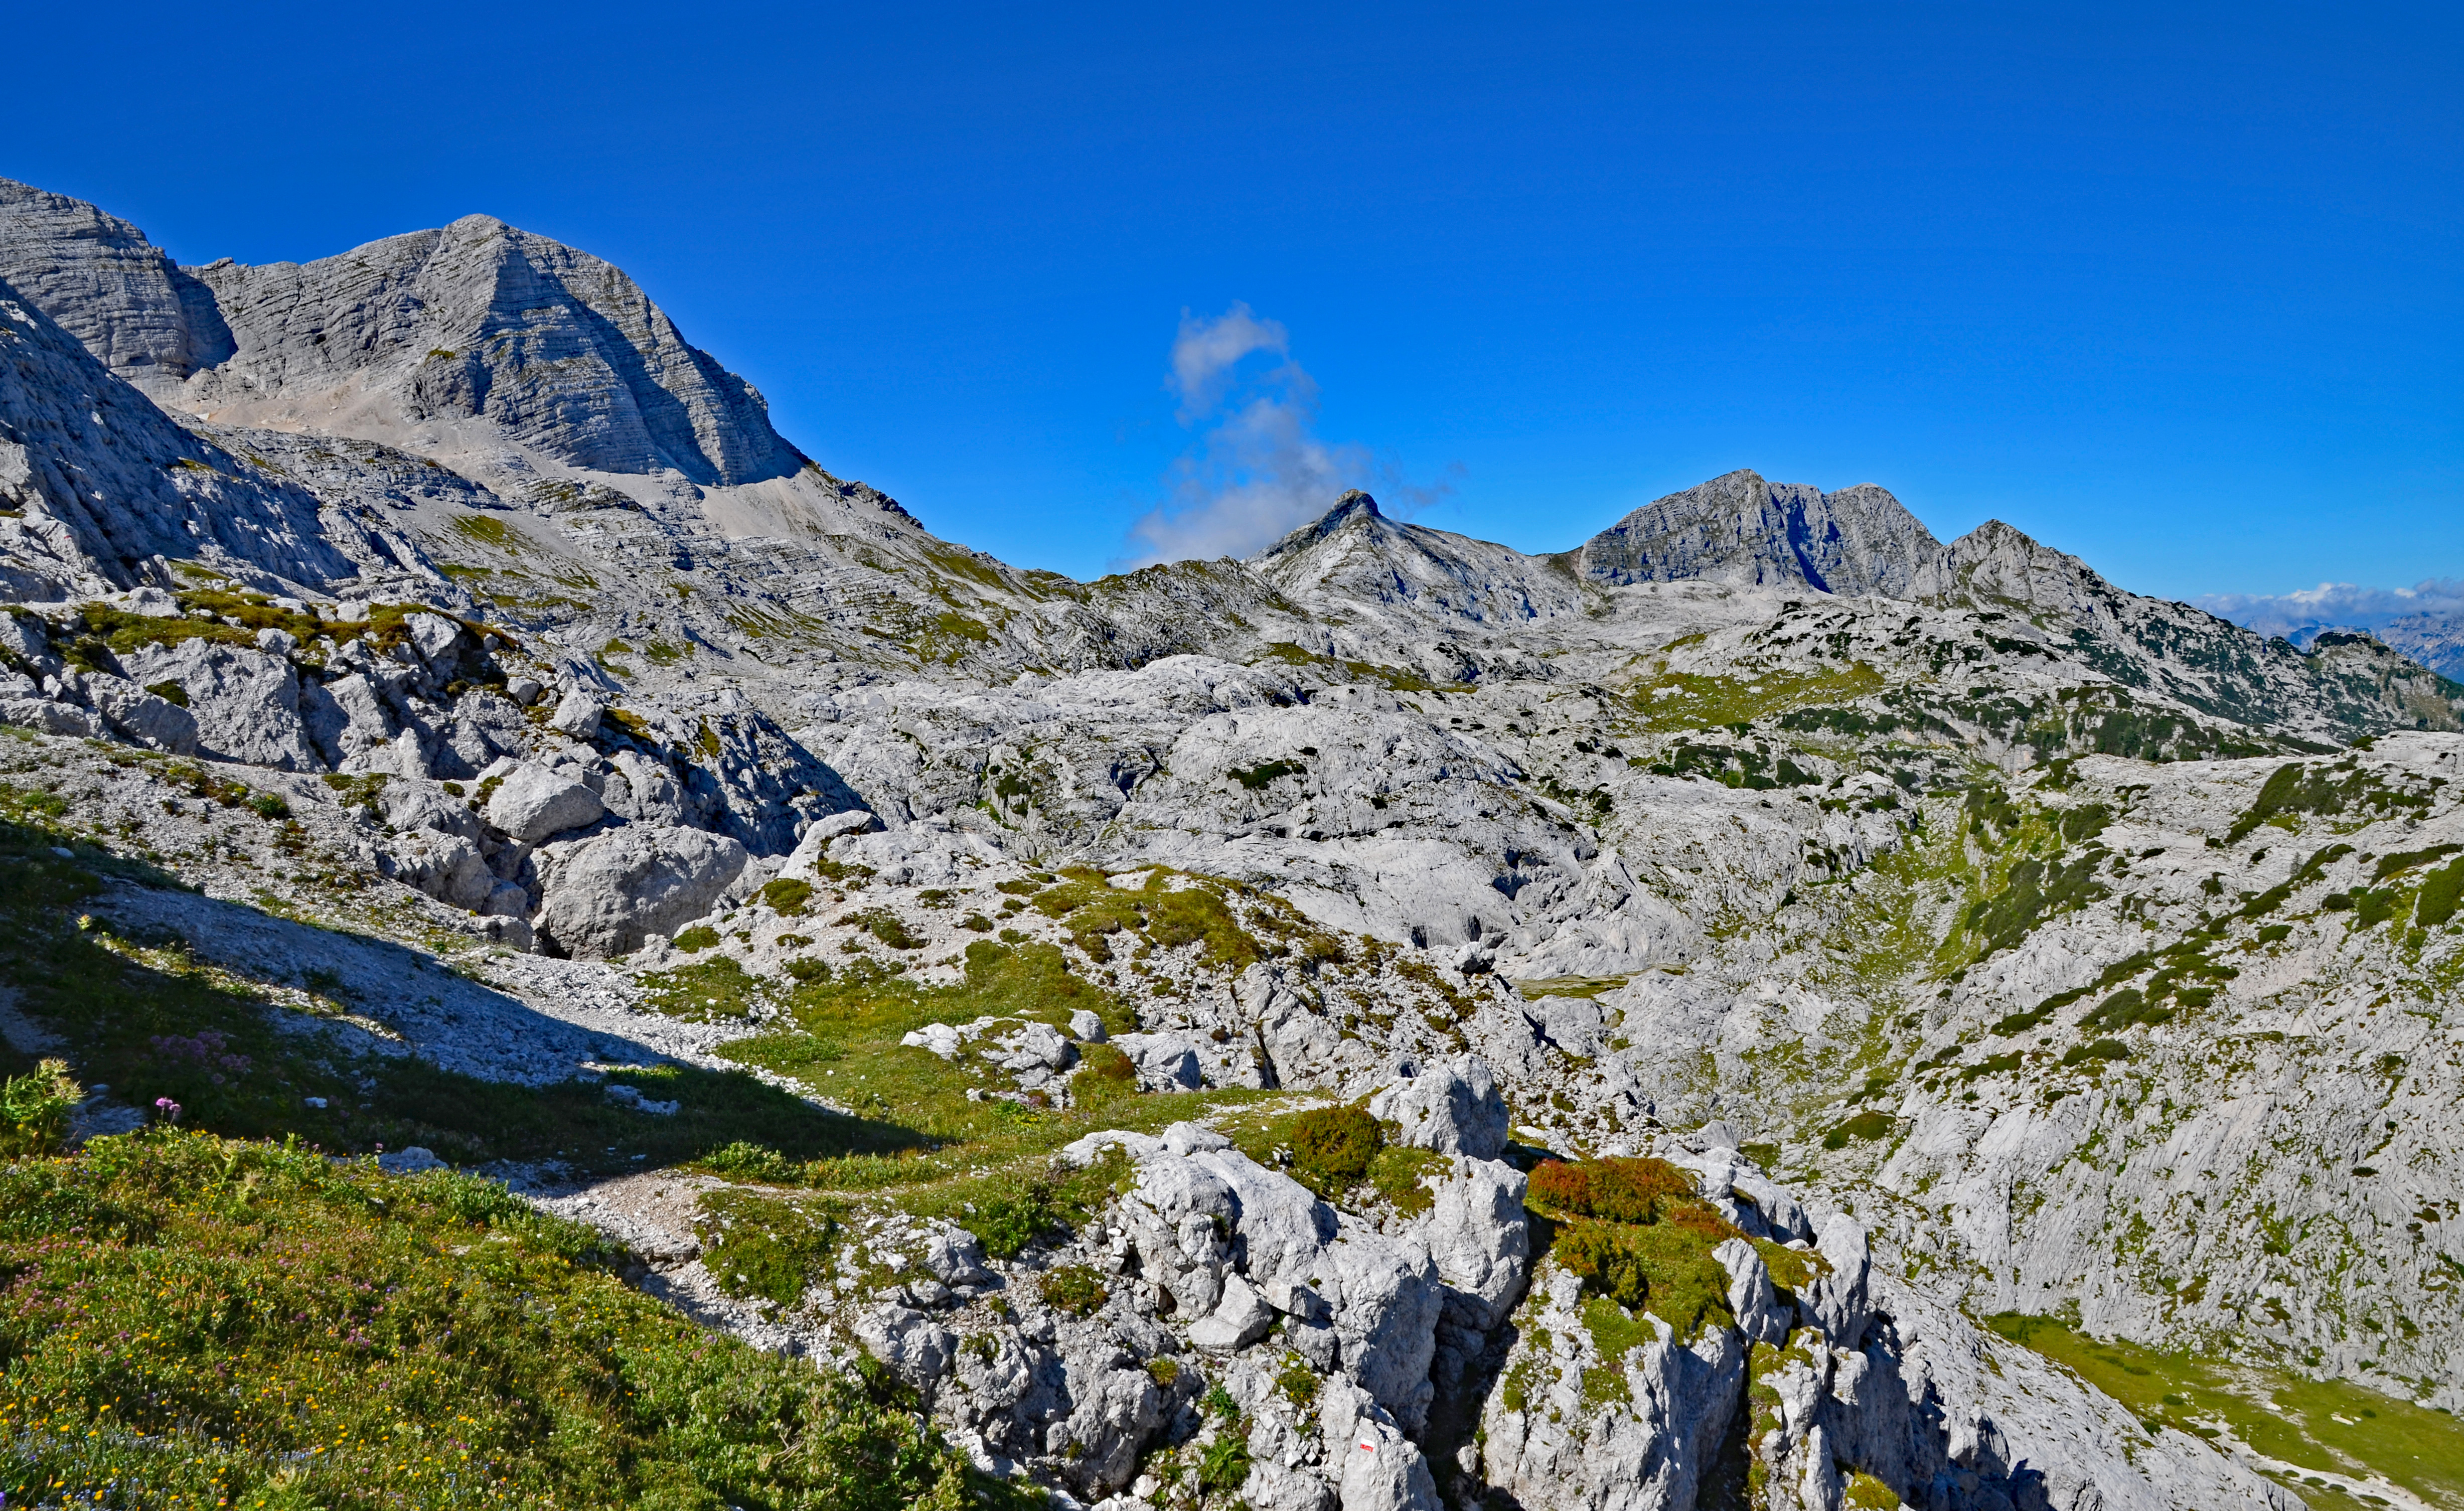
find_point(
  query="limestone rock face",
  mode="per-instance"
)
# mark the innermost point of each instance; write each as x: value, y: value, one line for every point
x: 145, y: 717
x: 1201, y: 1220
x: 104, y: 481
x: 1452, y: 1107
x: 562, y: 352
x: 1481, y: 1240
x: 1556, y: 1441
x: 244, y: 704
x: 1737, y: 528
x: 138, y: 312
x: 605, y: 895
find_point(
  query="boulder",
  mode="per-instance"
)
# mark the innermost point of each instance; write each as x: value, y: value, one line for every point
x: 421, y: 805
x: 605, y: 895
x: 1837, y: 1302
x: 815, y: 844
x: 1114, y: 1411
x: 144, y: 717
x: 448, y: 867
x: 22, y: 642
x: 346, y: 716
x: 1086, y: 1026
x: 1387, y: 1299
x: 1751, y: 1295
x: 435, y: 638
x: 1240, y: 1319
x: 533, y: 803
x: 1165, y: 1061
x: 1452, y: 1107
x: 578, y: 714
x: 1481, y: 1238
x: 956, y: 1257
x: 245, y: 704
x: 915, y: 1347
x: 49, y: 716
x: 1038, y: 1047
x: 1376, y: 1466
x: 409, y: 1161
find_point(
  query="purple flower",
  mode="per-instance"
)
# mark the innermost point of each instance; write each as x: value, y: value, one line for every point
x: 169, y: 1108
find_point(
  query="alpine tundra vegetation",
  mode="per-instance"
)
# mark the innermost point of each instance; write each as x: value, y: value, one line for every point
x: 558, y: 954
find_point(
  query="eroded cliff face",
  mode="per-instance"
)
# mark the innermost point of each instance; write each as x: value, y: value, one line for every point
x: 2093, y: 957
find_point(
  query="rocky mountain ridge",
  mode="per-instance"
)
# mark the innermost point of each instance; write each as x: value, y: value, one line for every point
x: 2029, y: 921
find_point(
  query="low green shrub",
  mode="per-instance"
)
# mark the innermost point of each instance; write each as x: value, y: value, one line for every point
x: 1333, y: 1147
x: 1864, y: 1126
x: 2100, y: 1049
x: 697, y: 938
x: 787, y: 896
x: 759, y: 1246
x: 889, y: 928
x: 1665, y: 1267
x: 1072, y: 1288
x: 1008, y: 1225
x: 2441, y: 891
x: 36, y: 1109
x: 1225, y: 1466
x: 750, y: 1161
x: 1298, y: 1381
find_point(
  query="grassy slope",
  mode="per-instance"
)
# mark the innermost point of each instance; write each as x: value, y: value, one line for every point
x: 2332, y: 1426
x: 194, y: 1321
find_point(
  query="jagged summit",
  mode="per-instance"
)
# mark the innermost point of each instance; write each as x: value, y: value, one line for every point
x: 140, y: 314
x: 1354, y: 506
x: 1739, y: 528
x: 1355, y: 554
x: 407, y: 340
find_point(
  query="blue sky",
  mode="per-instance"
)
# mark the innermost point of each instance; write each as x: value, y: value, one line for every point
x: 2175, y: 291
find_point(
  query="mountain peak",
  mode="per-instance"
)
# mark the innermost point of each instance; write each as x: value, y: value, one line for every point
x: 404, y: 341
x: 1354, y: 501
x: 1740, y: 528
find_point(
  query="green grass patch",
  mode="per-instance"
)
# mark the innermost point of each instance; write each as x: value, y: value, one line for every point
x: 1072, y: 1288
x: 1399, y: 1173
x: 959, y: 1158
x: 766, y: 1248
x: 1587, y: 987
x: 1686, y: 701
x: 1096, y: 911
x: 787, y: 896
x: 1864, y: 1127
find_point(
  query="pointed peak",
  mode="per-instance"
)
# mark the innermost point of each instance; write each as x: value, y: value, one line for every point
x: 1353, y: 506
x: 1993, y: 533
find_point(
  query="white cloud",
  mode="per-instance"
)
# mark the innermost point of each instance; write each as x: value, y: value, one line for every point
x: 2335, y: 605
x: 1256, y: 469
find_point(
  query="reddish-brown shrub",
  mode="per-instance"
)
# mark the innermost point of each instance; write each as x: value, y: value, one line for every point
x: 1611, y: 1189
x: 1699, y: 1218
